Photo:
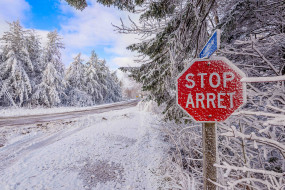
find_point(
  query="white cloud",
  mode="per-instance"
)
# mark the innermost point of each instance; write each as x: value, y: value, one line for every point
x: 93, y: 28
x: 90, y: 27
x: 43, y: 36
x: 124, y: 61
x: 12, y: 10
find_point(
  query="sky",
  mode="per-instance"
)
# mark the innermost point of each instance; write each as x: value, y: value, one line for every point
x: 82, y: 31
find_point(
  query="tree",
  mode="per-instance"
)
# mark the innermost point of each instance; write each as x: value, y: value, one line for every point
x: 17, y: 67
x: 101, y: 84
x: 76, y: 86
x: 180, y: 31
x: 110, y: 88
x: 50, y: 92
x: 93, y: 86
x: 35, y: 53
x: 121, y: 4
x: 114, y: 90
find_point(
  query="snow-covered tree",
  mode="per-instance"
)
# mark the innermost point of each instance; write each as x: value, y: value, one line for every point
x: 52, y: 51
x: 35, y: 53
x: 110, y: 88
x: 114, y: 89
x: 92, y: 80
x: 51, y: 90
x: 102, y: 73
x: 101, y: 84
x: 253, y: 141
x: 17, y: 67
x: 76, y: 86
x: 75, y: 73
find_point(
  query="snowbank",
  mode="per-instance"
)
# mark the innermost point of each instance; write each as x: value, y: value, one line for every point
x: 149, y: 106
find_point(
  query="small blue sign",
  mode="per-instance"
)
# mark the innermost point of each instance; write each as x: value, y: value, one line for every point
x: 211, y: 46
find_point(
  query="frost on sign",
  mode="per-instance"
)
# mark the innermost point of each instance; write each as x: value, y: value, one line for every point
x: 210, y: 90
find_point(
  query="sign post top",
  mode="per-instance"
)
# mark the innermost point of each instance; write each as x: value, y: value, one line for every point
x: 212, y: 45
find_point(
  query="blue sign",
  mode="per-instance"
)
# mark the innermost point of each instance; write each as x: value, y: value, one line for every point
x: 211, y: 46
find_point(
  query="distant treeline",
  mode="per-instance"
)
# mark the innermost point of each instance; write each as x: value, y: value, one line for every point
x: 32, y: 75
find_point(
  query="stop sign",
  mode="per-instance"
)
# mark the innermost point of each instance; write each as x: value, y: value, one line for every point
x: 211, y: 89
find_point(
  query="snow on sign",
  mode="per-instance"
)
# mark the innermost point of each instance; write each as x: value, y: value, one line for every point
x: 212, y: 45
x: 211, y: 89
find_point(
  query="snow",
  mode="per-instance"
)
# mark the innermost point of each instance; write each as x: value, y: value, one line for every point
x: 263, y: 79
x: 23, y: 111
x: 112, y: 150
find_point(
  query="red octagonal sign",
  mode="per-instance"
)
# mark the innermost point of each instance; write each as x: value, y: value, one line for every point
x: 210, y: 89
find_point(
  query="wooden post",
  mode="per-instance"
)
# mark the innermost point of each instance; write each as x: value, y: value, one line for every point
x: 209, y: 155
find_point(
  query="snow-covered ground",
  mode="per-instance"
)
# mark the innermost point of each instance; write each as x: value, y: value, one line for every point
x: 113, y: 150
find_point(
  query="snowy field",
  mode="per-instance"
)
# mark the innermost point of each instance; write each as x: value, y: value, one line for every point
x: 113, y: 150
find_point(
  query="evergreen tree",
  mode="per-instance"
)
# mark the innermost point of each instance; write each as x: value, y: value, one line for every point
x: 75, y: 73
x: 76, y: 86
x: 115, y: 91
x: 52, y: 52
x: 102, y: 72
x: 17, y: 67
x: 101, y: 84
x: 50, y: 92
x: 92, y: 79
x: 35, y: 52
x: 121, y: 4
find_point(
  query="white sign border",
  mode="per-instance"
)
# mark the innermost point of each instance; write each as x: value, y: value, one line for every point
x: 235, y: 68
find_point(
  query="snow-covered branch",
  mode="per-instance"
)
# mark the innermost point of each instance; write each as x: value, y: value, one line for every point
x: 263, y: 79
x: 245, y: 169
x: 270, y: 142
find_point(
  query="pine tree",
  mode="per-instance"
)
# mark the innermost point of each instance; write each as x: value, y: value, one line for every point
x: 76, y: 86
x: 17, y: 66
x: 51, y: 90
x: 35, y: 52
x: 101, y: 84
x: 75, y: 73
x: 115, y: 92
x: 92, y: 79
x: 121, y: 4
x: 102, y: 72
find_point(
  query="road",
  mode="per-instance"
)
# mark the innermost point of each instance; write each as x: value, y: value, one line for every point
x: 33, y: 119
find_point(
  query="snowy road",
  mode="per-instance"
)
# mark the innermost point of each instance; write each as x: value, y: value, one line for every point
x: 118, y: 149
x: 32, y: 119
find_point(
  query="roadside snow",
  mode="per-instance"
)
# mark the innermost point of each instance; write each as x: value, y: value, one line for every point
x: 12, y: 112
x: 113, y: 150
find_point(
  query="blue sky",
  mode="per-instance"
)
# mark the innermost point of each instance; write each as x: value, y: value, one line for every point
x: 82, y: 31
x: 44, y: 15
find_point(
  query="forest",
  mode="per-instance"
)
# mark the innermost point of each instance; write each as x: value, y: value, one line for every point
x: 33, y: 76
